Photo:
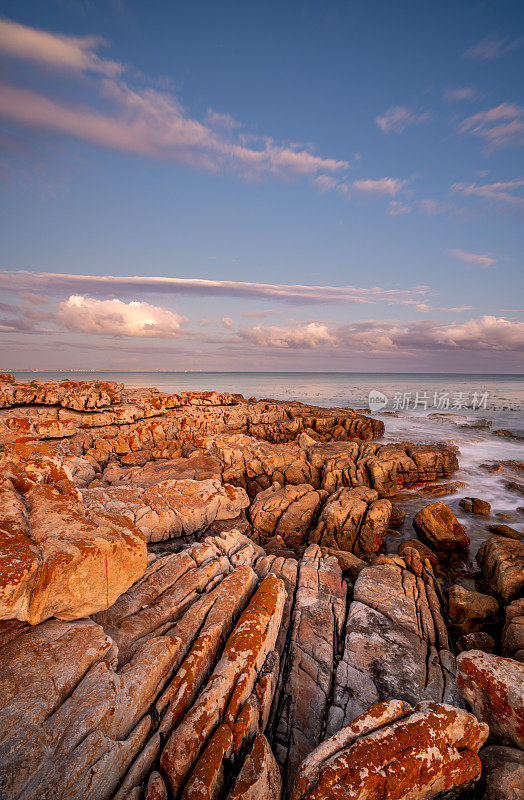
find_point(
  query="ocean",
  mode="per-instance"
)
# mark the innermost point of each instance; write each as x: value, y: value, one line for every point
x: 416, y: 407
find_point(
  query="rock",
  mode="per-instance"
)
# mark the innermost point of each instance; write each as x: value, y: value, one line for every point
x: 196, y: 467
x: 288, y: 512
x: 354, y: 520
x: 494, y: 688
x: 437, y: 525
x: 513, y: 632
x: 58, y: 558
x: 506, y: 530
x: 502, y: 562
x: 396, y: 644
x: 507, y: 434
x: 515, y: 486
x: 172, y: 508
x: 442, y: 489
x: 348, y: 563
x: 470, y: 611
x: 397, y: 516
x: 259, y: 778
x: 473, y: 505
x: 502, y: 773
x: 476, y: 641
x: 422, y: 549
x: 393, y: 750
x: 318, y: 617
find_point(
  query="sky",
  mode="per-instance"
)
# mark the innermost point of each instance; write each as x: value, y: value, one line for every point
x: 312, y: 185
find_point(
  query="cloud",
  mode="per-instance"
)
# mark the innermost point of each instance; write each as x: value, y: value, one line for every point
x: 501, y: 192
x: 57, y: 283
x: 397, y: 209
x: 227, y: 322
x: 397, y: 118
x: 117, y: 318
x: 382, y: 187
x: 54, y: 49
x: 390, y: 336
x: 460, y: 93
x: 493, y: 47
x: 476, y: 259
x: 432, y: 207
x: 501, y: 126
x: 217, y: 120
x: 142, y: 121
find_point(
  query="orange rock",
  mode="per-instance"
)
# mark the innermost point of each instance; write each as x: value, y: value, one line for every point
x: 259, y: 778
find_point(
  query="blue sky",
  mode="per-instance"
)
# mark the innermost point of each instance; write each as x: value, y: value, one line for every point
x: 247, y: 156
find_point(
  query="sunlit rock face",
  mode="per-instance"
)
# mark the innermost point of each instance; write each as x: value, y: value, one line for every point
x: 196, y: 603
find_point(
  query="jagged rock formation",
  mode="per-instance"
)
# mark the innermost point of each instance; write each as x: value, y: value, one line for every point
x: 215, y: 665
x: 394, y: 750
x: 502, y: 562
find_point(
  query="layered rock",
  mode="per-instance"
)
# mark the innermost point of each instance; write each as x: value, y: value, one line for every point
x: 354, y: 520
x: 393, y: 750
x: 494, y: 688
x: 396, y: 643
x: 170, y: 509
x: 502, y: 773
x: 57, y: 557
x: 502, y: 562
x: 288, y: 512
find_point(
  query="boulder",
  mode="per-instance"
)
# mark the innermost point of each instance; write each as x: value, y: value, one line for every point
x: 397, y: 516
x: 437, y: 525
x: 474, y: 505
x: 476, y: 641
x: 57, y: 557
x: 354, y: 520
x: 287, y: 511
x: 470, y: 611
x: 513, y: 631
x: 502, y: 773
x: 502, y: 562
x: 494, y: 688
x: 395, y: 751
x: 423, y: 550
x: 259, y: 778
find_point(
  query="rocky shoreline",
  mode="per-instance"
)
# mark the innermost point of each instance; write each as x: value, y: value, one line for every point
x: 196, y: 601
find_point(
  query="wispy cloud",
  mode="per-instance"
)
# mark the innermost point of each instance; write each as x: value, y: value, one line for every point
x: 55, y: 50
x: 58, y: 283
x: 381, y: 187
x: 500, y: 192
x: 493, y: 47
x: 501, y: 126
x: 460, y: 93
x: 397, y: 209
x: 475, y: 259
x: 139, y: 120
x: 397, y: 118
x: 117, y: 318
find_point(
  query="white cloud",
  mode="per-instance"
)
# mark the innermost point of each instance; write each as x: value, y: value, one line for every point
x: 397, y: 118
x: 501, y: 191
x: 397, y: 209
x: 390, y: 336
x: 382, y: 187
x: 217, y: 120
x: 227, y: 322
x: 501, y: 126
x: 57, y: 284
x: 493, y: 47
x: 117, y: 318
x: 476, y: 259
x: 54, y: 49
x: 460, y: 93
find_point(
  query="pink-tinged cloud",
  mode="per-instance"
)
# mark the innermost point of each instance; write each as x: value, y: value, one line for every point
x: 501, y: 126
x: 501, y: 192
x: 57, y: 284
x: 397, y: 118
x: 397, y: 209
x: 116, y: 318
x: 460, y: 93
x: 390, y: 336
x: 493, y: 47
x: 54, y: 49
x: 382, y: 187
x: 145, y: 122
x: 475, y: 259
